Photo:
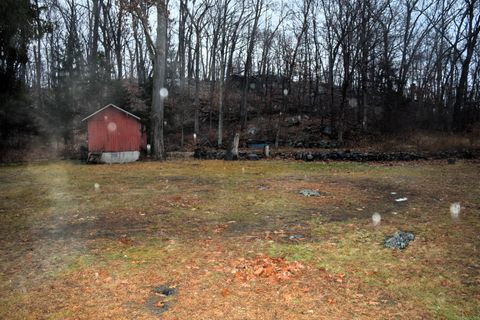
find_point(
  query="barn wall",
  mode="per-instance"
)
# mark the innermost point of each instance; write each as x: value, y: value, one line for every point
x: 114, y: 131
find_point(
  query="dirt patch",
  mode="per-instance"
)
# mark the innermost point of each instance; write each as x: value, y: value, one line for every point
x: 95, y: 225
x: 161, y: 299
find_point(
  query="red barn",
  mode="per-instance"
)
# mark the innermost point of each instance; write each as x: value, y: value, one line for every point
x: 114, y: 135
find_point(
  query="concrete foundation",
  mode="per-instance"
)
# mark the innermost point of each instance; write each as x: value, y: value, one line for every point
x: 120, y: 157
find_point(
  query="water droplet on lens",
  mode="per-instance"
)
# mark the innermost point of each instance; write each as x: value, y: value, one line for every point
x: 455, y: 210
x: 376, y: 218
x: 163, y: 93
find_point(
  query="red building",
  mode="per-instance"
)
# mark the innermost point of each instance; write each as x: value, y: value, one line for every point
x: 114, y: 135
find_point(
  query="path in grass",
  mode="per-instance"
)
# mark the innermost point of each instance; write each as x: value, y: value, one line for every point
x: 238, y: 241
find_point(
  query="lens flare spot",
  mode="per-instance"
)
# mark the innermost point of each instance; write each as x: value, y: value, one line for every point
x: 163, y: 93
x: 455, y: 210
x: 376, y: 218
x: 112, y: 126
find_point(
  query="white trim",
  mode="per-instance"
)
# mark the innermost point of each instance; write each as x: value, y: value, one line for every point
x: 111, y: 105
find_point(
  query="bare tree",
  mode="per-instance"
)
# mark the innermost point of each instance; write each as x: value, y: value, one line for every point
x: 471, y: 16
x: 159, y: 80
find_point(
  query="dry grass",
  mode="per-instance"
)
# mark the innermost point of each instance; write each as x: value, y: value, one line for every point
x: 424, y: 141
x: 420, y: 141
x: 220, y: 233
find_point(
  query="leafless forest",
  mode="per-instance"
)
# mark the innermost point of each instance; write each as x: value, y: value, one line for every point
x: 245, y: 67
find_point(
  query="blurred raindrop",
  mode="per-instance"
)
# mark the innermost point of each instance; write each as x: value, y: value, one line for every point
x: 163, y: 93
x: 455, y: 210
x: 376, y: 218
x: 111, y: 126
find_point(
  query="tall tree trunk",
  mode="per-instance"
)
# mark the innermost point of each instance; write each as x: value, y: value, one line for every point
x: 248, y: 62
x: 221, y: 81
x: 93, y: 58
x: 472, y: 36
x: 181, y: 67
x: 118, y: 42
x: 158, y: 81
x: 197, y: 82
x: 38, y: 59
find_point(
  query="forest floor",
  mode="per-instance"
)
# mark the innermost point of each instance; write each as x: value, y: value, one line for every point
x: 236, y: 240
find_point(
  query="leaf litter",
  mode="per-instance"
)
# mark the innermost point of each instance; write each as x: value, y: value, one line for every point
x: 274, y: 269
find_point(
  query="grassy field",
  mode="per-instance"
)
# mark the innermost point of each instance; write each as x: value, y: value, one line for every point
x: 236, y: 240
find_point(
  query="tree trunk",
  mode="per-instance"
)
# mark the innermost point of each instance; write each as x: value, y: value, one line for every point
x: 232, y: 152
x: 93, y: 59
x: 472, y: 36
x: 248, y: 63
x: 158, y: 81
x: 197, y: 83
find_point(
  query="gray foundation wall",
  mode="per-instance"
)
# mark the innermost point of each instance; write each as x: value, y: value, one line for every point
x: 120, y: 157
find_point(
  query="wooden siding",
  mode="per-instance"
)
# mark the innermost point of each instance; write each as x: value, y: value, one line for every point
x: 112, y: 130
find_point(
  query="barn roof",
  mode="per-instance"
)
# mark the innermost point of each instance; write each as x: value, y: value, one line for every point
x: 113, y: 106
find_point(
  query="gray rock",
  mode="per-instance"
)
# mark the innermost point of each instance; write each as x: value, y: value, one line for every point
x: 310, y: 193
x: 296, y: 237
x: 399, y: 240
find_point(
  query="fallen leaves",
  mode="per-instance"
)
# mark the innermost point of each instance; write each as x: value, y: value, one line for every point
x: 225, y: 292
x: 220, y: 228
x: 274, y: 269
x: 125, y: 240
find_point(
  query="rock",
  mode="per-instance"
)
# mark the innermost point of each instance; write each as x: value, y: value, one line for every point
x: 296, y: 237
x: 165, y: 290
x: 253, y: 157
x: 333, y: 144
x: 399, y: 240
x: 310, y: 193
x: 347, y: 155
x: 322, y: 144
